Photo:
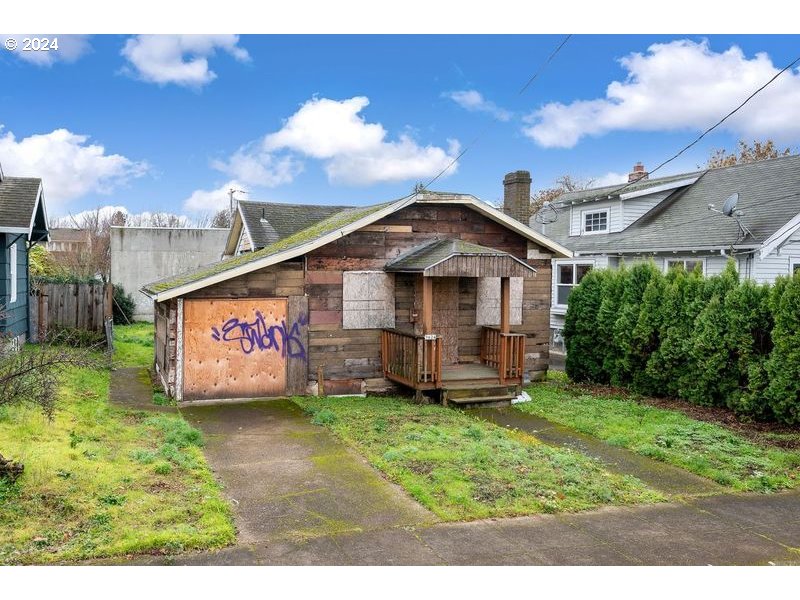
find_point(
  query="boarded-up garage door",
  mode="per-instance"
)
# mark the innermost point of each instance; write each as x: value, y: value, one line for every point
x: 234, y: 348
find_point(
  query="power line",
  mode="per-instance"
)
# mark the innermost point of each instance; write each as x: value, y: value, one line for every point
x: 495, y: 119
x: 713, y: 127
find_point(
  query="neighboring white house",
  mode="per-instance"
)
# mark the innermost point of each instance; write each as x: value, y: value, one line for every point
x: 668, y: 219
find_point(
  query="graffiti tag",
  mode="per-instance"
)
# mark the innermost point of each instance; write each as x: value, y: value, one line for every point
x: 256, y: 335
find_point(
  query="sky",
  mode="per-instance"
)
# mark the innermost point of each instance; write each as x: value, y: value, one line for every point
x: 170, y: 123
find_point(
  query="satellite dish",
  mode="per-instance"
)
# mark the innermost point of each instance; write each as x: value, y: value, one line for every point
x: 730, y: 204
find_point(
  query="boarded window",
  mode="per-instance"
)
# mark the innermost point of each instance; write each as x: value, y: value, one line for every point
x: 488, y: 307
x: 367, y: 300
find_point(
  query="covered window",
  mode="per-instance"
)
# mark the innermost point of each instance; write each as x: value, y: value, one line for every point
x: 595, y: 221
x: 367, y: 300
x: 689, y: 264
x: 12, y: 259
x: 569, y: 275
x: 796, y: 267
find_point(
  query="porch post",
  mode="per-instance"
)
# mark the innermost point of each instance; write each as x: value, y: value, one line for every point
x: 427, y: 305
x: 505, y: 305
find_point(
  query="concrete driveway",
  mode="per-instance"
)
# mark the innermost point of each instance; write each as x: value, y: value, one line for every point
x: 302, y: 497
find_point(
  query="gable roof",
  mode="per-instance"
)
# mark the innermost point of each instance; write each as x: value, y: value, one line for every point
x: 22, y: 208
x: 268, y: 222
x: 426, y: 257
x: 325, y: 232
x: 769, y: 197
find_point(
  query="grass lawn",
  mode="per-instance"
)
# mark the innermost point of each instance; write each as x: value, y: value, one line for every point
x: 100, y: 481
x: 461, y: 468
x: 133, y: 345
x: 669, y: 436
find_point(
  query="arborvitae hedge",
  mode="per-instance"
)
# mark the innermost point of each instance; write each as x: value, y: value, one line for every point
x: 713, y: 341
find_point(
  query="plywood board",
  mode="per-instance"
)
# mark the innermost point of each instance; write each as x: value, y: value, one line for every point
x: 235, y: 348
x: 445, y: 316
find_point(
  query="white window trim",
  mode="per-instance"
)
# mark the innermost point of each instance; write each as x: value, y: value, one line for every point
x: 575, y: 262
x: 794, y: 263
x: 699, y: 259
x: 595, y: 211
x: 12, y: 259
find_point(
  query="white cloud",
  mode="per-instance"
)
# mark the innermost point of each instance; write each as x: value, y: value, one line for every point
x: 210, y: 201
x: 473, y: 101
x: 353, y: 151
x: 257, y: 166
x: 679, y: 85
x: 70, y: 166
x: 178, y: 59
x: 610, y: 178
x: 70, y: 48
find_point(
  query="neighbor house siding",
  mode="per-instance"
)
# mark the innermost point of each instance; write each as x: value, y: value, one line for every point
x: 635, y: 208
x: 15, y: 314
x: 614, y: 215
x: 766, y: 269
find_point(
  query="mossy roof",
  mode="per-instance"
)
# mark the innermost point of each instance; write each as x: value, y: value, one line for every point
x: 305, y: 236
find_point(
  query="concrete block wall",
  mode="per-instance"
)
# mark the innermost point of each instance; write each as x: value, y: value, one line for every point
x: 140, y: 255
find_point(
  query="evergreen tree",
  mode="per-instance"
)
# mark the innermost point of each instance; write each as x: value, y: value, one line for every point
x: 606, y: 318
x: 646, y: 336
x: 750, y: 342
x: 783, y: 365
x: 584, y: 356
x: 713, y: 379
x: 633, y: 287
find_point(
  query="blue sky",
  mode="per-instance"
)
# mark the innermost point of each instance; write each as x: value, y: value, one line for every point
x: 168, y: 123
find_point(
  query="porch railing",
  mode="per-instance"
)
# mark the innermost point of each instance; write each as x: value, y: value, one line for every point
x: 505, y: 352
x: 412, y: 359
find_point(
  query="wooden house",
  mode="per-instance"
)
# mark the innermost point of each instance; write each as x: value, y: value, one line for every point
x: 23, y: 223
x: 439, y: 294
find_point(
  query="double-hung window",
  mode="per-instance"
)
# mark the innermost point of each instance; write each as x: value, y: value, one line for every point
x: 594, y: 221
x: 569, y: 275
x: 688, y: 264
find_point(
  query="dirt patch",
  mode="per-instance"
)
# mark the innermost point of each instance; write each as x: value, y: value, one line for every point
x: 762, y: 432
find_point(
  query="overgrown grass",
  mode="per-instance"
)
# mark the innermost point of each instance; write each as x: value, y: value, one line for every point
x: 669, y: 436
x: 462, y: 468
x: 133, y: 345
x: 100, y: 481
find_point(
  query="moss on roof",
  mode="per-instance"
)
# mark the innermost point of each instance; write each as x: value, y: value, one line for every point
x: 309, y: 234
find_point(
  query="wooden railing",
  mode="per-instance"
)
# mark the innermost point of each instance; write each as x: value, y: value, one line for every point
x: 505, y: 352
x: 411, y: 359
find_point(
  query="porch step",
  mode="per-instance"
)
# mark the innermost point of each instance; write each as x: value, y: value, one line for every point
x: 454, y: 392
x: 482, y: 400
x: 475, y: 394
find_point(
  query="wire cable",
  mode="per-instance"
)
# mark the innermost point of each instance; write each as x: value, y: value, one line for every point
x: 713, y: 127
x: 495, y: 119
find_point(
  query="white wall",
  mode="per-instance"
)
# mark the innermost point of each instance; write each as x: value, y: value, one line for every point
x: 140, y: 255
x: 634, y: 208
x: 778, y: 263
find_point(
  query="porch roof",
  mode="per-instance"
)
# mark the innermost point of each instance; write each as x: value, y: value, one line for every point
x: 459, y: 258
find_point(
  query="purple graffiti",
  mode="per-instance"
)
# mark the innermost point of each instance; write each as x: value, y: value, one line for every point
x: 258, y: 336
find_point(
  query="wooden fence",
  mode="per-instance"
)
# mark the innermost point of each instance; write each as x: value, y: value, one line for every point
x: 83, y: 306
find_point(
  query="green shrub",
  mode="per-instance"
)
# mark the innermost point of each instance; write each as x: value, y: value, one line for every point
x: 584, y: 359
x: 714, y: 341
x: 124, y: 306
x: 783, y: 365
x: 324, y: 417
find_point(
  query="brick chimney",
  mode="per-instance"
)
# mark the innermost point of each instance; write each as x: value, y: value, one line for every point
x: 517, y: 196
x: 637, y: 173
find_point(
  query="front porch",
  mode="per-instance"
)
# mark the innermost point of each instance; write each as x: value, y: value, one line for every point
x: 431, y: 357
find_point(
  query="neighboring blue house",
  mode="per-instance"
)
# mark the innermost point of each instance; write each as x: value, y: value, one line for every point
x: 23, y: 223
